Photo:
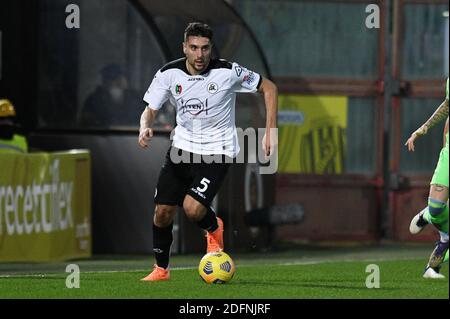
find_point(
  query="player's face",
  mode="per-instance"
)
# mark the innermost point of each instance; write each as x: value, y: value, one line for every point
x: 198, y: 53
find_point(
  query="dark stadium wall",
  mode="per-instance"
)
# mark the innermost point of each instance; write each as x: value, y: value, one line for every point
x: 18, y: 57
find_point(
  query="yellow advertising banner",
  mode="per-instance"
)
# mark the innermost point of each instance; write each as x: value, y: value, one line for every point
x: 45, y: 206
x: 312, y: 134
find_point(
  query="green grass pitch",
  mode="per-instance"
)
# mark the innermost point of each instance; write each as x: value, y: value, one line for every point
x: 300, y: 274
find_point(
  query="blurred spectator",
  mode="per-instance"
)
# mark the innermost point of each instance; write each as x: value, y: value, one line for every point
x: 11, y: 141
x: 112, y: 103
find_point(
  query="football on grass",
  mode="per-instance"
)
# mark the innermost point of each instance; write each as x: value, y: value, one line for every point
x: 216, y: 268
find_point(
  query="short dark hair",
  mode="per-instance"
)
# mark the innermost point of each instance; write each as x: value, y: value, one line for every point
x: 198, y: 29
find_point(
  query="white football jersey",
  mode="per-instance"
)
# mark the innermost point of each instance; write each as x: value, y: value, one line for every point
x: 205, y: 103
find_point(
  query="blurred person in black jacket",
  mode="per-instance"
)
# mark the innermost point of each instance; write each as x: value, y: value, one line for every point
x: 112, y: 103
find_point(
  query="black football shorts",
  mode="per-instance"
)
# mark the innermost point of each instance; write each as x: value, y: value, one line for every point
x: 201, y: 180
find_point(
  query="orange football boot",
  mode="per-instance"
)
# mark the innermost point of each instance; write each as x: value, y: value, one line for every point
x: 158, y: 274
x: 215, y: 239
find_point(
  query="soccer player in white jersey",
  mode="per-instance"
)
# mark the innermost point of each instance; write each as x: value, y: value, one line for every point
x: 203, y: 90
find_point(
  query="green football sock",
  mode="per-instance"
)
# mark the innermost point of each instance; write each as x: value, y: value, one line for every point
x: 439, y: 218
x: 445, y: 225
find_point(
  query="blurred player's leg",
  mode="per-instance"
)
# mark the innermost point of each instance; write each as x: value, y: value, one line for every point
x: 433, y: 273
x: 443, y: 226
x: 444, y: 239
x: 424, y: 218
x: 437, y: 201
x: 436, y: 259
x: 437, y: 210
x: 437, y: 214
x: 438, y: 254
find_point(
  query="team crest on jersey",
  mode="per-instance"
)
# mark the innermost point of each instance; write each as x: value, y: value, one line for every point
x: 178, y: 89
x: 195, y: 107
x: 212, y: 87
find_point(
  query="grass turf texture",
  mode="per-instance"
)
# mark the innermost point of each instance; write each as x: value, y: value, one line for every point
x: 311, y: 273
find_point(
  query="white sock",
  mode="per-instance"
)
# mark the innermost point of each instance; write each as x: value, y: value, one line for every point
x: 444, y: 237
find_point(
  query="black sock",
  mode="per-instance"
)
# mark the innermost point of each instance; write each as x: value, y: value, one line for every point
x: 162, y: 240
x: 209, y: 222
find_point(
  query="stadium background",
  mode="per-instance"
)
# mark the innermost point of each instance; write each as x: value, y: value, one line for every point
x: 349, y: 97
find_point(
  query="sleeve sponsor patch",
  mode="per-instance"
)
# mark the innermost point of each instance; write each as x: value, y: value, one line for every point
x: 250, y: 78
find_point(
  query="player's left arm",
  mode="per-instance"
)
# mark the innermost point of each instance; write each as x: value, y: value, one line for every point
x: 440, y: 114
x: 270, y: 93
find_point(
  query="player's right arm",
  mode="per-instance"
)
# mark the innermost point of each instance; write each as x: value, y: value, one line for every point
x: 156, y: 95
x: 145, y: 130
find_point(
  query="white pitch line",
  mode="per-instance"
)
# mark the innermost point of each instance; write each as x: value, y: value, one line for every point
x: 306, y: 262
x: 84, y: 272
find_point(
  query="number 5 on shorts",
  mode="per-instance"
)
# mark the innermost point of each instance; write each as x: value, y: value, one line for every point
x: 205, y: 182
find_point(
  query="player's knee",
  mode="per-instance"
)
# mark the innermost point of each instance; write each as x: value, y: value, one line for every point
x: 193, y: 209
x: 438, y: 192
x: 164, y: 215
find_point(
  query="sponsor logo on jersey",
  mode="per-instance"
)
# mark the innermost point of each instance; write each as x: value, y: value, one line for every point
x: 213, y: 87
x: 196, y: 79
x: 195, y: 106
x: 178, y: 89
